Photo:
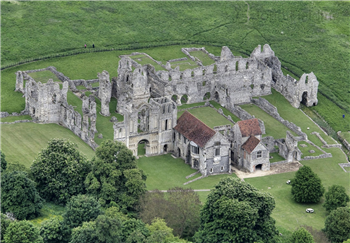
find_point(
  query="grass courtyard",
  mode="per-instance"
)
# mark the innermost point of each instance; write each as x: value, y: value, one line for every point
x: 272, y: 127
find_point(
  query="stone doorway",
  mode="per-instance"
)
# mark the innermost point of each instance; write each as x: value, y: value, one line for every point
x: 258, y: 167
x: 142, y: 147
x: 165, y: 148
x: 304, y: 98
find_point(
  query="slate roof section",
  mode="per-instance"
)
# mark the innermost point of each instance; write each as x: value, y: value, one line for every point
x: 250, y: 144
x: 249, y: 127
x: 193, y: 129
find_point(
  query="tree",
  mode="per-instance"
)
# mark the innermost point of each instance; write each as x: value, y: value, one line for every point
x: 16, y: 167
x: 85, y: 233
x: 180, y: 210
x: 306, y: 186
x: 4, y: 223
x: 132, y: 228
x: 301, y: 235
x: 103, y: 230
x: 3, y: 162
x: 22, y: 232
x: 79, y: 209
x: 337, y: 225
x: 115, y: 177
x: 160, y: 232
x: 54, y: 231
x: 19, y: 196
x: 335, y: 197
x: 60, y: 171
x: 235, y: 211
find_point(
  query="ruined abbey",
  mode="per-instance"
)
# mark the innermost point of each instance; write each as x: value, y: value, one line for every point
x: 149, y: 100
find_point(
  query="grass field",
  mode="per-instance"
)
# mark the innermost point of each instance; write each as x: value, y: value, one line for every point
x: 209, y: 116
x: 224, y: 110
x: 44, y: 76
x: 288, y: 112
x: 15, y: 118
x: 272, y: 127
x: 23, y: 141
x: 185, y: 64
x: 204, y: 58
x: 142, y: 59
x: 276, y: 157
x: 289, y: 214
x: 345, y: 135
x: 305, y: 150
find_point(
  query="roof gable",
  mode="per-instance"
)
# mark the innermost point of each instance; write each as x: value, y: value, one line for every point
x: 250, y: 144
x: 249, y: 127
x: 193, y: 129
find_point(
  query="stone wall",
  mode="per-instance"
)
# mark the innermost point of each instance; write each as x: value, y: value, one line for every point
x: 272, y: 111
x: 345, y: 143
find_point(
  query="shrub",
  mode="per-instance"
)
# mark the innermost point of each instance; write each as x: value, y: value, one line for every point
x: 335, y: 197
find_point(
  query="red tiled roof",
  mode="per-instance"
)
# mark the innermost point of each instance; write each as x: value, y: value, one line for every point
x: 193, y: 129
x: 250, y: 144
x: 249, y: 127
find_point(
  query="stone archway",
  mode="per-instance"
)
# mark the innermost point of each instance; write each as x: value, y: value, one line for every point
x: 304, y: 98
x: 217, y: 97
x: 165, y: 148
x: 195, y: 163
x: 179, y: 152
x: 258, y: 167
x: 142, y: 147
x: 295, y: 155
x: 206, y: 96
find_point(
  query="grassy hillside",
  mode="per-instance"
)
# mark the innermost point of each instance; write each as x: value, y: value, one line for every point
x: 306, y: 36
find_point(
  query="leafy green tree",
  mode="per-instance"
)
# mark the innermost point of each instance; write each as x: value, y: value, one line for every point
x: 348, y: 241
x: 79, y: 209
x: 136, y: 237
x: 115, y: 177
x: 108, y: 230
x: 22, y: 232
x: 54, y: 231
x: 160, y: 232
x: 16, y: 167
x: 85, y: 233
x: 5, y: 222
x: 301, y: 235
x: 3, y: 161
x: 306, y: 186
x: 235, y: 211
x: 130, y: 226
x: 335, y: 197
x: 19, y: 196
x: 180, y: 210
x: 103, y: 230
x: 337, y: 225
x: 60, y: 171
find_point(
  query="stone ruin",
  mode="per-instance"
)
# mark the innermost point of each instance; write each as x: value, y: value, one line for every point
x: 148, y: 98
x: 302, y: 91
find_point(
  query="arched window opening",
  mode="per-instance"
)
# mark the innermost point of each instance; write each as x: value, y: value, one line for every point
x: 236, y: 66
x: 166, y: 124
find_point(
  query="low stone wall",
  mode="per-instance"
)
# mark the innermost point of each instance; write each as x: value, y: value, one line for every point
x: 325, y: 144
x: 322, y: 156
x: 272, y: 111
x: 345, y: 143
x: 6, y: 114
x: 240, y: 113
x: 279, y: 162
x: 178, y: 59
x: 19, y: 121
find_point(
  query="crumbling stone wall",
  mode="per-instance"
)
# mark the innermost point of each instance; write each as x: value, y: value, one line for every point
x: 296, y: 92
x: 288, y: 148
x: 105, y: 92
x: 47, y: 103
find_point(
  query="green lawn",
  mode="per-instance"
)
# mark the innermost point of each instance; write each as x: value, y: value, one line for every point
x: 184, y: 64
x: 44, y: 76
x: 185, y: 106
x: 141, y: 150
x: 276, y: 157
x: 142, y: 59
x: 305, y: 150
x: 272, y: 127
x: 48, y: 211
x: 15, y: 118
x: 76, y: 102
x: 164, y: 172
x: 103, y: 123
x: 209, y: 116
x: 345, y: 135
x: 23, y: 141
x: 288, y: 112
x: 224, y: 110
x: 204, y: 58
x: 289, y: 214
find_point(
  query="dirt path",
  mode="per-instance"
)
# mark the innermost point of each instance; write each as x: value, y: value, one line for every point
x: 274, y: 169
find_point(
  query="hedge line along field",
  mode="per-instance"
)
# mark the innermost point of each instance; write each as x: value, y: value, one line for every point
x: 306, y: 36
